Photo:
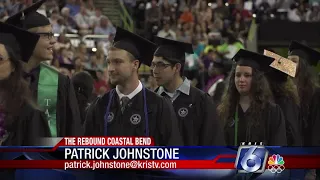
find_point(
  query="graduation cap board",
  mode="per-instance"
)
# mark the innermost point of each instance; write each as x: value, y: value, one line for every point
x: 172, y: 50
x: 20, y: 41
x: 29, y: 17
x: 305, y: 52
x: 282, y: 64
x: 253, y: 60
x: 142, y: 49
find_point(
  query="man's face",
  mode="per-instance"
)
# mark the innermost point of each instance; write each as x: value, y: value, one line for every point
x: 162, y: 71
x: 120, y: 66
x: 44, y: 48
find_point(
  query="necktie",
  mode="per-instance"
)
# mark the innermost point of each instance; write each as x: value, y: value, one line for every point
x: 124, y: 102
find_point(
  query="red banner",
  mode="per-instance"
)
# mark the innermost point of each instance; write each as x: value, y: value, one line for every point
x: 291, y: 162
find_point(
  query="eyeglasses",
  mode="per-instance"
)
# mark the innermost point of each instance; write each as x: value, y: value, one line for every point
x: 48, y: 35
x: 159, y: 65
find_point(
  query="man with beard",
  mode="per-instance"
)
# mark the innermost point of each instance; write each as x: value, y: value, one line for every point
x: 131, y: 109
x: 54, y: 92
x: 195, y: 110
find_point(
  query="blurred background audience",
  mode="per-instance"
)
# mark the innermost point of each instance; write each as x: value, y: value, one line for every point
x: 216, y: 28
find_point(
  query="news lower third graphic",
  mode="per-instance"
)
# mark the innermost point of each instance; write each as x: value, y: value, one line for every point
x: 276, y: 163
x: 251, y: 158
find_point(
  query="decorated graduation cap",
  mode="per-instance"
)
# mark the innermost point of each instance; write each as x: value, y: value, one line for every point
x: 253, y: 60
x: 142, y: 49
x: 20, y: 41
x: 281, y: 67
x: 172, y: 50
x: 305, y: 52
x: 29, y: 17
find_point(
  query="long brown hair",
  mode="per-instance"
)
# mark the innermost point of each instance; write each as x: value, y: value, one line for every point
x: 285, y: 89
x: 259, y: 91
x: 14, y: 89
x: 306, y: 82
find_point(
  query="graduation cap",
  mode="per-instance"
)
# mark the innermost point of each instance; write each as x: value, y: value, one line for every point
x: 29, y: 17
x: 282, y: 64
x: 20, y: 41
x: 93, y: 73
x: 83, y: 83
x: 253, y: 60
x: 305, y: 52
x: 172, y: 50
x: 142, y: 49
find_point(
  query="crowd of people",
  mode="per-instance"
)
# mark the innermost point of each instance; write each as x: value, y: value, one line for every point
x: 266, y: 98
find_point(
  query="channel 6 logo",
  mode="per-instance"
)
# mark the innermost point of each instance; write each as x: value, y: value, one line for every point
x: 251, y: 159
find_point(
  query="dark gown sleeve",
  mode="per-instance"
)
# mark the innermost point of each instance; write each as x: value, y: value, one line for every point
x: 37, y: 127
x: 90, y: 123
x: 169, y: 129
x: 73, y: 124
x: 277, y: 127
x: 315, y: 118
x: 211, y: 131
x: 293, y: 122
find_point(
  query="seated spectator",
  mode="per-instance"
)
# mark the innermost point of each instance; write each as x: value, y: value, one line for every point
x: 14, y: 7
x: 83, y: 21
x: 168, y: 12
x: 91, y: 10
x: 95, y: 18
x: 82, y: 52
x: 104, y: 27
x: 64, y: 56
x: 238, y: 28
x: 297, y: 14
x: 186, y: 16
x: 62, y: 42
x: 70, y: 23
x: 101, y: 57
x: 221, y: 9
x: 167, y: 32
x: 93, y: 63
x: 314, y: 14
x: 200, y: 34
x: 204, y: 12
x: 245, y: 14
x: 73, y: 6
x: 153, y: 18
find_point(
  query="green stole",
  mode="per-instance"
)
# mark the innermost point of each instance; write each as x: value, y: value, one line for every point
x: 47, y: 95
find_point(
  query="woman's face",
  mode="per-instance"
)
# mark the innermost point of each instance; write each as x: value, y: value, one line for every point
x: 5, y: 64
x: 295, y: 59
x: 243, y: 79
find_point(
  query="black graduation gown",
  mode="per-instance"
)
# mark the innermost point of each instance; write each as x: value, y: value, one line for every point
x: 27, y: 127
x: 272, y: 129
x: 163, y: 125
x: 218, y: 92
x: 291, y: 112
x: 312, y: 129
x: 198, y: 121
x: 67, y: 110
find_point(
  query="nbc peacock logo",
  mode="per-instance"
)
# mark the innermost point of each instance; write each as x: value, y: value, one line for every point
x: 276, y: 163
